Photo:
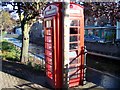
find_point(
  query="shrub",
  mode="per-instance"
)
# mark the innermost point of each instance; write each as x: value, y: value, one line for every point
x: 37, y: 67
x: 19, y: 37
x: 29, y: 64
x: 7, y: 46
x: 9, y: 51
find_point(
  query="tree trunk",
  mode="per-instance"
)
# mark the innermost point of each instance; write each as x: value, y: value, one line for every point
x: 25, y: 44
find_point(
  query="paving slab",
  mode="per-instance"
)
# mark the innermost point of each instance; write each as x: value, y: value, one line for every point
x: 91, y: 86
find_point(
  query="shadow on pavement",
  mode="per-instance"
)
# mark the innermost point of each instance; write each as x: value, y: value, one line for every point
x: 24, y: 72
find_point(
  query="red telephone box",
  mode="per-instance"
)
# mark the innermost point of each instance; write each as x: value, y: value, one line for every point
x: 57, y: 74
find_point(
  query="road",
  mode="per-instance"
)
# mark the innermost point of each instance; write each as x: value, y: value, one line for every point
x: 103, y: 71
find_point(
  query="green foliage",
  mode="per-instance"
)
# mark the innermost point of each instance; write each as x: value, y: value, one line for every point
x: 10, y: 52
x: 33, y: 65
x: 19, y: 37
x: 6, y: 20
x: 11, y: 56
x: 29, y: 64
x: 110, y: 11
x: 3, y: 33
x: 36, y: 67
x: 110, y: 37
x: 7, y: 46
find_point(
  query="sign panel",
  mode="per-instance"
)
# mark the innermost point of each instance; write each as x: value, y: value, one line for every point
x: 76, y: 9
x: 51, y: 10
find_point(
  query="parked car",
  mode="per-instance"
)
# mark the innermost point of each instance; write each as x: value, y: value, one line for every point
x: 93, y: 38
x: 90, y: 38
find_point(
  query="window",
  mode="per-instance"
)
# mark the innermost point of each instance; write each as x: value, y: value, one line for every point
x: 74, y: 23
x: 48, y: 24
x: 73, y: 30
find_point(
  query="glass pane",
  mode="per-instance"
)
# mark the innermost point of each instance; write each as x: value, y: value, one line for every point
x: 48, y: 53
x: 73, y: 38
x: 73, y: 76
x: 48, y: 24
x: 74, y: 61
x: 48, y: 46
x: 75, y: 72
x: 73, y: 30
x: 48, y: 32
x: 49, y: 60
x: 73, y: 46
x: 74, y: 23
x: 48, y: 39
x: 73, y: 54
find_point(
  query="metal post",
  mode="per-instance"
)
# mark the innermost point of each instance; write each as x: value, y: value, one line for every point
x: 85, y: 64
x: 118, y: 30
x: 42, y: 63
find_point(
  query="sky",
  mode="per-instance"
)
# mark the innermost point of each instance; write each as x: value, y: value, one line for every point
x: 9, y: 7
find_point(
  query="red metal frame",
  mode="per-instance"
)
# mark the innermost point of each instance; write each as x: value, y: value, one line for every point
x: 56, y: 82
x: 54, y: 64
x: 80, y: 50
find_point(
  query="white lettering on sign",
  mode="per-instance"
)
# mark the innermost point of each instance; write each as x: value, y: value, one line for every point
x: 75, y: 11
x: 53, y: 11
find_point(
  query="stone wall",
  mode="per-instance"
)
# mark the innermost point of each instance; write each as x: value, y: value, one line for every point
x: 103, y: 48
x: 38, y: 41
x: 36, y: 34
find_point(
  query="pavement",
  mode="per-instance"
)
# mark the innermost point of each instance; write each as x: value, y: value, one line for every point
x: 15, y: 75
x: 20, y: 76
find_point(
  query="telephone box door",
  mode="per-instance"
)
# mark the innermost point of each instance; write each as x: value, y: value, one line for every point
x: 52, y: 22
x: 49, y: 51
x: 76, y: 49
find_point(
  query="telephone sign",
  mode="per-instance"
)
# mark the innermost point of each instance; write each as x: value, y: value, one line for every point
x: 51, y: 10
